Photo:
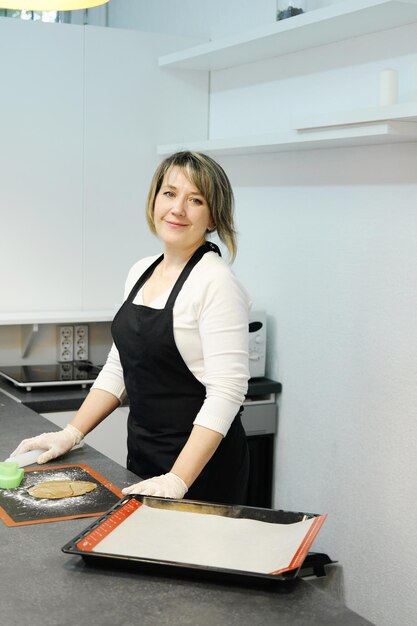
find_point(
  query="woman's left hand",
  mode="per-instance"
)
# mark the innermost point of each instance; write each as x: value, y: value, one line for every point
x: 165, y: 486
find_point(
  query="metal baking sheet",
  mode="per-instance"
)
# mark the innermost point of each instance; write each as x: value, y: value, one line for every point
x: 198, y: 538
x: 18, y: 508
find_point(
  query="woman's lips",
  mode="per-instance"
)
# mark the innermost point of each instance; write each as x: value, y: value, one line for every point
x: 175, y: 224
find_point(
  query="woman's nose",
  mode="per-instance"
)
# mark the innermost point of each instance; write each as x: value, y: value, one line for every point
x: 178, y: 206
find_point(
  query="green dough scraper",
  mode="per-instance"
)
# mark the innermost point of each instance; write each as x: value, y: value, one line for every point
x: 11, y: 475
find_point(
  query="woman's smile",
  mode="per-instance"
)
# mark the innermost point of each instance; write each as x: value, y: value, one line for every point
x: 175, y: 224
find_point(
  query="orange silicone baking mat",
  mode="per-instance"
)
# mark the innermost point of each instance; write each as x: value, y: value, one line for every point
x: 18, y: 507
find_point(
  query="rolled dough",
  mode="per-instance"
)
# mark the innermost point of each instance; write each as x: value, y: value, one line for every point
x: 55, y: 489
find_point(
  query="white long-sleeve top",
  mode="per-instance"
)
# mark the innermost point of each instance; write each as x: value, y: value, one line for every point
x: 211, y: 333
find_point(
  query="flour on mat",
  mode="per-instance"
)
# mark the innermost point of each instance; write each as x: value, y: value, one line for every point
x: 31, y: 479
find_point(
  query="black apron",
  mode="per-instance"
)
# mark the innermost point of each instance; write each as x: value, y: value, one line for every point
x: 165, y: 397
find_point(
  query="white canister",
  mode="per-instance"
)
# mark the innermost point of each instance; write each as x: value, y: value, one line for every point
x: 388, y: 87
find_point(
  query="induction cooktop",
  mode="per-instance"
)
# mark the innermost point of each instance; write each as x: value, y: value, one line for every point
x: 71, y: 373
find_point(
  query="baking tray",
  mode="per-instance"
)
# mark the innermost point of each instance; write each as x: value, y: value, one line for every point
x: 91, y: 544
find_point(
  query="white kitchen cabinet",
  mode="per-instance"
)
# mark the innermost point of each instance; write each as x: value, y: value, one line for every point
x: 82, y: 111
x: 109, y: 437
x: 41, y: 108
x: 130, y: 105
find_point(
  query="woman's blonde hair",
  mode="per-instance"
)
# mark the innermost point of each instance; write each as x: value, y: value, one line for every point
x: 211, y: 181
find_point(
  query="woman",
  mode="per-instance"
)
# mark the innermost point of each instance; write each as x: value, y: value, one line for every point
x: 180, y: 348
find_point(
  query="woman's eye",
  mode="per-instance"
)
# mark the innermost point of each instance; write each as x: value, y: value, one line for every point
x: 196, y: 201
x: 169, y: 194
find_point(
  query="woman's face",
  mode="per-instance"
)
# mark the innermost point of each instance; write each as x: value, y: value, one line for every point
x: 181, y: 213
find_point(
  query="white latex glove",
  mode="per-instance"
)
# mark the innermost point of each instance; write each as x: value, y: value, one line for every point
x: 165, y: 486
x: 55, y: 444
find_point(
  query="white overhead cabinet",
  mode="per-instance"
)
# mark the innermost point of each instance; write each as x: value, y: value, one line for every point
x: 130, y: 105
x: 41, y: 112
x: 82, y: 110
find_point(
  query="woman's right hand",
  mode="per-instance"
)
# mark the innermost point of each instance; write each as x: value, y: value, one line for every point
x: 56, y: 444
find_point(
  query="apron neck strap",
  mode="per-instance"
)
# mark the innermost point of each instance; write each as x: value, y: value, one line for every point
x: 198, y: 254
x: 208, y: 246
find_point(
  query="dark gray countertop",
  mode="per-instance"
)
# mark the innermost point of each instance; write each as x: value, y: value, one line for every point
x: 70, y: 398
x: 42, y: 586
x: 46, y: 399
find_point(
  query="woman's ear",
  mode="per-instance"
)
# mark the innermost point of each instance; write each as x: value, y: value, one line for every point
x: 211, y: 225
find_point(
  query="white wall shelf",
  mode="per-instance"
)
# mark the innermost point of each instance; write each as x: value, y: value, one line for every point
x: 54, y: 317
x: 404, y: 112
x: 343, y: 20
x: 328, y: 137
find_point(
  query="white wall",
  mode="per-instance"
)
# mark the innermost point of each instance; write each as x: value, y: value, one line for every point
x: 191, y: 18
x: 275, y: 94
x: 333, y: 261
x: 209, y: 19
x: 328, y: 247
x: 44, y: 347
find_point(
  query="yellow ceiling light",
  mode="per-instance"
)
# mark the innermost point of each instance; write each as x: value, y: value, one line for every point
x: 50, y: 5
